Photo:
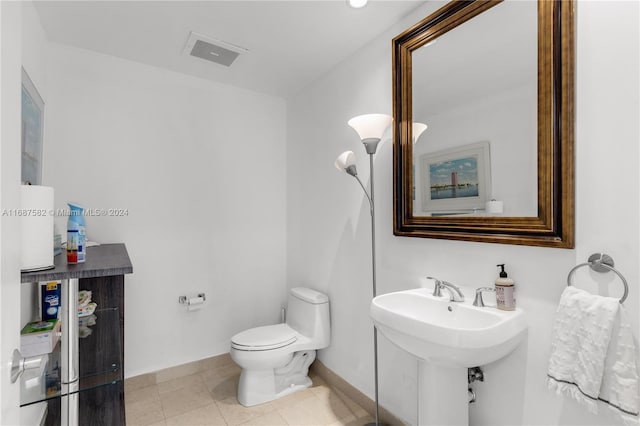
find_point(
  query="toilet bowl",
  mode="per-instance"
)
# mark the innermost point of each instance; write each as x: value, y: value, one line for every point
x: 275, y: 359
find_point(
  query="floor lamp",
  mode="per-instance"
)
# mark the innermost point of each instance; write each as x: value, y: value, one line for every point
x: 370, y: 128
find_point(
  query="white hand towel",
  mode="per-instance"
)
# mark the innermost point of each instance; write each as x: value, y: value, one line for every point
x: 593, y: 354
x: 620, y: 380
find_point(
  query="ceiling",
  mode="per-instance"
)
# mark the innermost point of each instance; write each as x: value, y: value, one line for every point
x: 290, y: 43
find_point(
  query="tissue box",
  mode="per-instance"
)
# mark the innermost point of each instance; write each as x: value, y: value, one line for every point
x: 39, y: 337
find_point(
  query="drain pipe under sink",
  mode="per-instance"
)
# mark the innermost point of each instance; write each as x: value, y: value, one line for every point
x: 474, y: 374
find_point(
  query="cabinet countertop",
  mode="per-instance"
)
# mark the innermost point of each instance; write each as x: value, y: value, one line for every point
x: 102, y: 261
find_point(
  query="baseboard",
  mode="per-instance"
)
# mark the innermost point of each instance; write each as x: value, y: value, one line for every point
x: 178, y: 371
x: 337, y: 382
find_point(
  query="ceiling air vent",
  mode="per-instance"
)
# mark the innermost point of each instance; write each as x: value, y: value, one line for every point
x: 212, y: 50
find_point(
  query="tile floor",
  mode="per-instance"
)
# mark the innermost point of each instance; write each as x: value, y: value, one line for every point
x: 209, y: 398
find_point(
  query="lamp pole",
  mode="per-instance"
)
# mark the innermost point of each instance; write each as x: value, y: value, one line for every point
x: 370, y: 128
x: 372, y: 210
x: 373, y: 266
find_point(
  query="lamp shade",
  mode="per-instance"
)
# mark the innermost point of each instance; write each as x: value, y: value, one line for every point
x: 346, y: 159
x: 370, y: 126
x: 417, y: 130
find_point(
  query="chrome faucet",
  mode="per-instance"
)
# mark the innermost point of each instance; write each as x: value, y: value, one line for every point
x: 478, y: 300
x: 455, y: 294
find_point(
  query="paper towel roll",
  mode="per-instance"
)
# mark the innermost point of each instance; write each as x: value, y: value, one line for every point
x: 36, y: 222
x: 195, y: 301
x: 494, y: 207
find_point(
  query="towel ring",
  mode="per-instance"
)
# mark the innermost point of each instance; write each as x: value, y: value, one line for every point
x: 601, y: 262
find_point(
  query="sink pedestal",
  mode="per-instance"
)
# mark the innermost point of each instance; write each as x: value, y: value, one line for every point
x: 447, y: 338
x: 443, y: 398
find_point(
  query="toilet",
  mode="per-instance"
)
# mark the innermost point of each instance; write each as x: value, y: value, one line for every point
x: 275, y: 359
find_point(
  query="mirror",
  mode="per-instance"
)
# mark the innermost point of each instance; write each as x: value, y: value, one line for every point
x: 493, y: 82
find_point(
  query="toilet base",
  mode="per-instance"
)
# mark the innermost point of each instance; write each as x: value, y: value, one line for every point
x: 260, y: 386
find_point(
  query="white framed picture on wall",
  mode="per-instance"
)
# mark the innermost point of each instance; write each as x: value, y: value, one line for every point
x: 32, y: 132
x: 456, y: 179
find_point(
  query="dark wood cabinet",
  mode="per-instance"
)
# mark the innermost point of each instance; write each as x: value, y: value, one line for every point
x: 101, y: 355
x: 100, y: 338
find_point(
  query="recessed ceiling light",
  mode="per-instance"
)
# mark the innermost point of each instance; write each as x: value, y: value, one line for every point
x: 357, y: 4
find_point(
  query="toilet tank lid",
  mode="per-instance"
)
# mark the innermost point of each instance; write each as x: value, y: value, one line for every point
x: 309, y: 295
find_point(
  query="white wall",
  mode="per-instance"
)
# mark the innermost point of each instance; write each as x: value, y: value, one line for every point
x: 34, y: 47
x: 200, y: 170
x: 329, y: 234
x: 10, y: 241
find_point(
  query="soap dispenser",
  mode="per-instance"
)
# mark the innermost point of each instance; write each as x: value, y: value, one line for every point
x: 505, y: 291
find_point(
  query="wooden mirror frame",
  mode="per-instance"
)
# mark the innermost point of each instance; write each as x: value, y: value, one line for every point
x: 554, y: 225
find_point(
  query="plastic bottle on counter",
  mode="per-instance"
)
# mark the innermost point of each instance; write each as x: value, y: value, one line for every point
x: 76, y: 235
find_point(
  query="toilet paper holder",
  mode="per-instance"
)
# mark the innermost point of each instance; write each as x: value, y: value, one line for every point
x: 184, y: 300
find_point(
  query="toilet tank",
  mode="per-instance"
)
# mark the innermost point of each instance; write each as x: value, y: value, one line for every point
x: 308, y: 314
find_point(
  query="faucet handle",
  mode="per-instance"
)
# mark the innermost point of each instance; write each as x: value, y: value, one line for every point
x: 437, y: 288
x: 478, y: 301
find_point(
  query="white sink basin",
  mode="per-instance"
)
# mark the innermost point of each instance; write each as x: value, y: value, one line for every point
x: 455, y: 334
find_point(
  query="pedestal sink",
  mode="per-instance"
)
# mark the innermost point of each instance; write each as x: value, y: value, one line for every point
x: 448, y: 338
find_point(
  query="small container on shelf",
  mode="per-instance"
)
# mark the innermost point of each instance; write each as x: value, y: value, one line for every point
x: 85, y: 306
x: 50, y: 300
x: 39, y: 337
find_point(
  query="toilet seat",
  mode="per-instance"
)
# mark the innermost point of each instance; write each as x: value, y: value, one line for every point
x: 264, y: 338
